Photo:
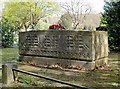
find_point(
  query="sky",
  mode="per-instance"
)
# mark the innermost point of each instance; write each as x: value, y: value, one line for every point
x: 97, y: 5
x: 1, y: 6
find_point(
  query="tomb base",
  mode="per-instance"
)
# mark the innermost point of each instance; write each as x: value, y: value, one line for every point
x: 64, y: 63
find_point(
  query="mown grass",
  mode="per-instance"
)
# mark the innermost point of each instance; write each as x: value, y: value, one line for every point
x: 10, y: 55
x: 99, y: 79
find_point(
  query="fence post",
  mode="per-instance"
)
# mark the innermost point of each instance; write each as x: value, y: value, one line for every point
x: 7, y: 74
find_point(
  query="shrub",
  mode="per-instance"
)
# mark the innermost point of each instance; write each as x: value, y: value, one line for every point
x: 7, y: 32
x: 111, y: 18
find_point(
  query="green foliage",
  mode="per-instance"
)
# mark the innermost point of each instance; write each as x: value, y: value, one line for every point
x: 111, y: 17
x: 7, y: 32
x: 24, y: 15
x: 66, y: 21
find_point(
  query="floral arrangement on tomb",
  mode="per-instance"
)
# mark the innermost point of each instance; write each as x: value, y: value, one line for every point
x: 56, y: 27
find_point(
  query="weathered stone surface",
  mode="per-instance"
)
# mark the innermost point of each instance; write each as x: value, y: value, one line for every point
x: 7, y: 74
x: 45, y: 61
x: 68, y: 45
x: 101, y: 44
x: 101, y: 62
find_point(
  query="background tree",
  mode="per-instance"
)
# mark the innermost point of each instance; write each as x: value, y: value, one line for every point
x: 111, y: 18
x: 24, y: 15
x: 7, y: 32
x: 66, y: 21
x: 78, y: 10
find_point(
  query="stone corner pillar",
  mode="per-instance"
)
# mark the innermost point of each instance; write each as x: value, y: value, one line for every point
x: 7, y: 74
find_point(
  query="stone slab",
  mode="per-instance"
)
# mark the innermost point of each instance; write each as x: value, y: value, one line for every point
x: 45, y: 61
x: 64, y: 47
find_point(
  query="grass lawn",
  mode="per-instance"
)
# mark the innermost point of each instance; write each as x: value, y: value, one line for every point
x: 109, y: 78
x: 10, y: 55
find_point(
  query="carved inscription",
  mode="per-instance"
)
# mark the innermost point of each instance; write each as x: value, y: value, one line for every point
x: 55, y: 45
x: 31, y: 41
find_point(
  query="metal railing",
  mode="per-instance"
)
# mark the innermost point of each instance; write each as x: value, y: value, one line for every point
x: 10, y: 75
x: 51, y: 79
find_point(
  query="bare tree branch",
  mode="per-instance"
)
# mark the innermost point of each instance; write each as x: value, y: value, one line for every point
x: 78, y: 11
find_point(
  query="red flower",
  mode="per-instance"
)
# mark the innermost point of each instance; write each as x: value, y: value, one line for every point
x: 56, y: 26
x: 51, y: 27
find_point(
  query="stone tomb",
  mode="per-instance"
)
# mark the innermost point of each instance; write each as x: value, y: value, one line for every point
x: 86, y: 49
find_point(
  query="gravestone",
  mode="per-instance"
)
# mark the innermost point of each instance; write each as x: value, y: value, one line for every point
x: 86, y: 49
